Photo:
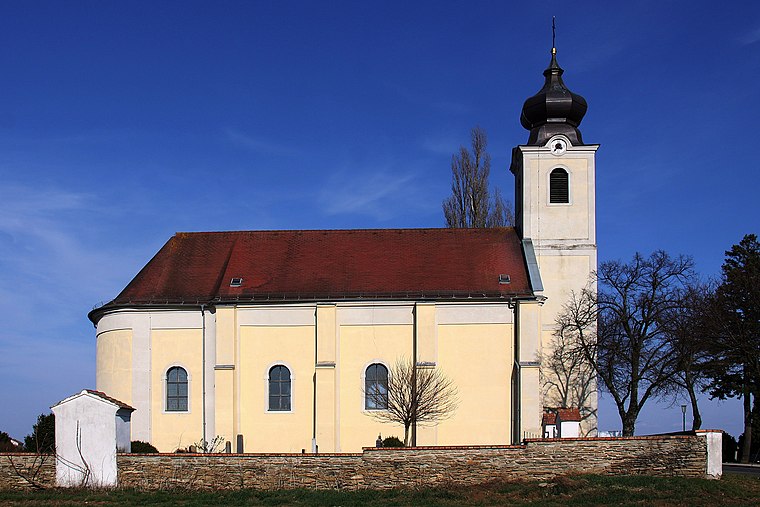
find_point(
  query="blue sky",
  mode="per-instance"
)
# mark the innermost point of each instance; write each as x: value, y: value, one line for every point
x: 124, y: 122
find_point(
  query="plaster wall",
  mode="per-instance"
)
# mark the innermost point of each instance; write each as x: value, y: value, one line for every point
x: 714, y: 441
x: 85, y: 441
x: 113, y: 373
x: 123, y: 431
x: 327, y: 348
x: 564, y: 238
x: 226, y: 374
x: 176, y: 347
x: 568, y: 224
x: 478, y: 359
x: 261, y: 348
x: 569, y: 429
x: 360, y: 346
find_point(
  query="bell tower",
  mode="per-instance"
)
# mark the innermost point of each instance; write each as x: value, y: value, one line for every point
x: 555, y: 214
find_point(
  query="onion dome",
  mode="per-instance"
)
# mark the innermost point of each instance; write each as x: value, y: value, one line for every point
x: 554, y: 109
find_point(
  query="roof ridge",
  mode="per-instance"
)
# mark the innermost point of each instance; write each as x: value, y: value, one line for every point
x: 339, y: 264
x: 392, y: 229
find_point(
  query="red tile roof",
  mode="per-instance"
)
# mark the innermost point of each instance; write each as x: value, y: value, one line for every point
x: 569, y: 414
x: 549, y: 418
x: 193, y: 268
x: 101, y: 394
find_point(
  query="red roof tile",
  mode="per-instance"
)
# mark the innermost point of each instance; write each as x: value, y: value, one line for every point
x: 101, y: 394
x: 569, y: 414
x: 331, y: 264
x: 549, y: 418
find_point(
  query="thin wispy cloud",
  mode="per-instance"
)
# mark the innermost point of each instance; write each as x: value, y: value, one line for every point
x: 51, y: 251
x: 442, y: 145
x: 19, y: 200
x: 600, y: 55
x: 257, y: 143
x: 382, y: 196
x: 447, y: 106
x: 750, y: 37
x: 423, y: 99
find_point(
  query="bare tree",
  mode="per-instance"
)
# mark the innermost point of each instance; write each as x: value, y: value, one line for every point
x: 471, y: 204
x: 568, y: 379
x: 417, y: 395
x: 620, y: 329
x: 686, y: 330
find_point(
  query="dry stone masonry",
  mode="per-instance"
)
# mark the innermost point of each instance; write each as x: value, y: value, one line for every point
x: 386, y: 468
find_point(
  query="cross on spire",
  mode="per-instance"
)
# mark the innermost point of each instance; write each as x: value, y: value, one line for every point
x: 554, y: 35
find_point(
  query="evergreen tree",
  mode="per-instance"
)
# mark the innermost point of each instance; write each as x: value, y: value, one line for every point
x: 734, y: 341
x: 42, y: 438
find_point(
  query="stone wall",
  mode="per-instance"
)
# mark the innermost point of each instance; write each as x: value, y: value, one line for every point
x: 26, y: 471
x: 678, y: 455
x: 684, y: 456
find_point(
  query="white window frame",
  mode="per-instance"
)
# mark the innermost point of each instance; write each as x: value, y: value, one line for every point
x: 292, y: 388
x: 165, y: 388
x: 364, y: 385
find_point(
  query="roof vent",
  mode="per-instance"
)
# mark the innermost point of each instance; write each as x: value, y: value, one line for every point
x: 504, y: 279
x: 236, y: 282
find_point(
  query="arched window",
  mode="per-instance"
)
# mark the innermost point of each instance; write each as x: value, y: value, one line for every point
x: 176, y: 389
x: 558, y: 187
x: 279, y: 388
x: 376, y: 387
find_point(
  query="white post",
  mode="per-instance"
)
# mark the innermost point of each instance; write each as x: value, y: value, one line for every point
x: 714, y: 439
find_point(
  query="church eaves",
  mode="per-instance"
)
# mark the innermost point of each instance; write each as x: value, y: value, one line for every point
x: 328, y: 265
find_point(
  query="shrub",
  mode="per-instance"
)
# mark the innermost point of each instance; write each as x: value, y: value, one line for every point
x: 729, y: 448
x: 7, y: 445
x: 42, y: 439
x: 392, y: 442
x: 141, y: 447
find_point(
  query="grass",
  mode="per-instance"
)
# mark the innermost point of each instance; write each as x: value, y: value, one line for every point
x: 578, y: 490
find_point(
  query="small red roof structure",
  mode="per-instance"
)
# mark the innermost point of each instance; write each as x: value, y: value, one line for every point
x: 102, y: 395
x: 549, y: 418
x: 569, y: 414
x: 287, y: 266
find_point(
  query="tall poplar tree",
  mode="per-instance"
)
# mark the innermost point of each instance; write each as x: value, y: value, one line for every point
x: 471, y: 204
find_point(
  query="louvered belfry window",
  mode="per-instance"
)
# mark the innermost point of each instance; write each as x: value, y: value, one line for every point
x: 559, y: 192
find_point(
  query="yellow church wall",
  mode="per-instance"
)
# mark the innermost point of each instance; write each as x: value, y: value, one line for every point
x: 262, y: 347
x: 478, y: 360
x: 562, y: 275
x: 224, y: 374
x: 325, y: 377
x: 361, y: 346
x: 176, y: 347
x: 114, y: 364
x: 326, y: 329
x: 225, y: 335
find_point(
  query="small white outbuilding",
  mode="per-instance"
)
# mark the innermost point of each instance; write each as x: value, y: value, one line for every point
x: 561, y: 423
x: 90, y: 427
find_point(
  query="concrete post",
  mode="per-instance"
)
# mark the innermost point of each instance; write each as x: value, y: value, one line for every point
x: 714, y: 452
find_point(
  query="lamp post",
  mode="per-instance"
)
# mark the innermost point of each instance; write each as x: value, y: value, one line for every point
x: 683, y: 412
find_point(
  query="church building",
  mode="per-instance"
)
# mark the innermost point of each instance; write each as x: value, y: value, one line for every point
x: 276, y: 340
